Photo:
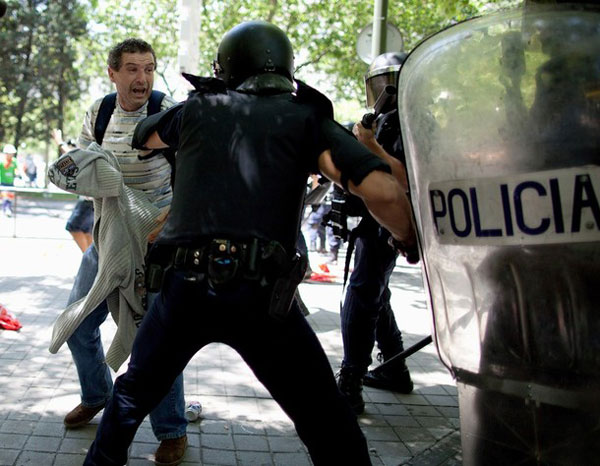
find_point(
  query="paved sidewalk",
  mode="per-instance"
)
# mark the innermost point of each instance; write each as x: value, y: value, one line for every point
x: 240, y: 424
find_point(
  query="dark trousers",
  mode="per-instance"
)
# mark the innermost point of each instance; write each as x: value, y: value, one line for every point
x: 285, y: 355
x: 366, y: 314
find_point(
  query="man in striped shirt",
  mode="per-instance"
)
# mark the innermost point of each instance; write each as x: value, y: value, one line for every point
x: 131, y: 66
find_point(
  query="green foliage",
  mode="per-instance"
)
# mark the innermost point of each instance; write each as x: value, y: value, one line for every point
x: 54, y: 51
x: 324, y: 35
x: 37, y: 72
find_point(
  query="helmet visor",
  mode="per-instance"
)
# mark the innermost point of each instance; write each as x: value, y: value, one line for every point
x: 377, y: 80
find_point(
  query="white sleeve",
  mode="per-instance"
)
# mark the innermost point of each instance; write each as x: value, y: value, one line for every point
x: 86, y: 137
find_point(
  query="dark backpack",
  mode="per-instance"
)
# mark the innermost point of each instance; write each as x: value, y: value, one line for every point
x: 107, y: 107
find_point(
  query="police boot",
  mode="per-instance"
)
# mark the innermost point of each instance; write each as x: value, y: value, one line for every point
x: 394, y: 377
x: 350, y: 383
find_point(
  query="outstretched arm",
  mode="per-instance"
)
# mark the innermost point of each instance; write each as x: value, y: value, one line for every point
x: 158, y: 131
x: 382, y: 194
x: 155, y: 142
x: 367, y: 137
x: 63, y: 146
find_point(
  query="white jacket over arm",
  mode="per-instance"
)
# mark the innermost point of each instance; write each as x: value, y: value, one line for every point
x: 123, y: 218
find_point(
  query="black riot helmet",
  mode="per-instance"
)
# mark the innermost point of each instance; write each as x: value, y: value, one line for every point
x: 382, y: 72
x: 252, y: 48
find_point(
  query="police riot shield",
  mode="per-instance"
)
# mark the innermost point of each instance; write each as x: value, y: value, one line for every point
x: 501, y: 125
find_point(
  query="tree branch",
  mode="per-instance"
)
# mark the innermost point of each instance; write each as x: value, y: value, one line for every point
x: 272, y: 11
x: 317, y: 59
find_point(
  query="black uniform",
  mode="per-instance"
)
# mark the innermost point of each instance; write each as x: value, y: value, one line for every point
x: 366, y: 314
x: 229, y: 242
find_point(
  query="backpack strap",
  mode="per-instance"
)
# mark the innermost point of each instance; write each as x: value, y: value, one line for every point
x: 107, y: 107
x: 155, y: 102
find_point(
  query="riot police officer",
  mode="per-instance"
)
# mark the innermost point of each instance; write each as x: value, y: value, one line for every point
x: 366, y: 313
x: 246, y: 141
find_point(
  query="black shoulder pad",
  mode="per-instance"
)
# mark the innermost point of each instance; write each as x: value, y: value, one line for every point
x: 155, y: 101
x: 309, y: 95
x: 206, y: 85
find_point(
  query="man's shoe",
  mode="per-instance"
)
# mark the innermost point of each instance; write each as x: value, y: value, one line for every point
x: 350, y: 384
x: 393, y: 379
x: 170, y: 451
x: 81, y: 415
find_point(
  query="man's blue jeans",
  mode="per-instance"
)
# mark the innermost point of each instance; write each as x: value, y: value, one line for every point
x: 167, y: 419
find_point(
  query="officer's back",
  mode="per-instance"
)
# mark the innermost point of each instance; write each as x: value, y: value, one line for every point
x: 259, y: 150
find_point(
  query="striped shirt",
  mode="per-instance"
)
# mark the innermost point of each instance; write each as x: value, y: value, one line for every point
x: 152, y: 176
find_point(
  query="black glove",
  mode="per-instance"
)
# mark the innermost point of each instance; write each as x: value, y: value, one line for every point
x: 411, y: 253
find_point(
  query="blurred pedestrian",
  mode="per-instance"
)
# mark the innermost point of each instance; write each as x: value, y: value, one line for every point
x: 317, y: 233
x: 30, y: 170
x: 8, y: 172
x: 81, y: 222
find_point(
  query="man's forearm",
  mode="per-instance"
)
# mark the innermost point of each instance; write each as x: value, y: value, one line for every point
x: 388, y: 203
x: 367, y: 137
x: 146, y: 133
x: 155, y: 142
x: 383, y: 195
x: 397, y: 167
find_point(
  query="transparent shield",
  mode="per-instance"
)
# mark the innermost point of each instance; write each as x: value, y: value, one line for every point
x: 501, y: 125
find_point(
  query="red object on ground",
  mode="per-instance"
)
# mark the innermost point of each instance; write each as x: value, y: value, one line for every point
x: 324, y: 275
x: 8, y: 322
x: 321, y: 277
x: 324, y: 268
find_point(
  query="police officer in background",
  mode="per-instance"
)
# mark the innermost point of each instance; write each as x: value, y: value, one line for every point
x: 366, y: 313
x: 246, y: 145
